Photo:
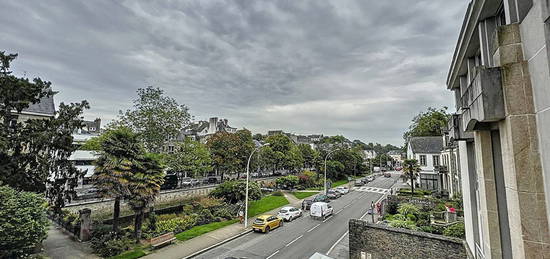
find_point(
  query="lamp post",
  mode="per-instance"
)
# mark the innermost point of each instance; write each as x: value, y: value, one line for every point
x: 258, y: 146
x: 328, y: 154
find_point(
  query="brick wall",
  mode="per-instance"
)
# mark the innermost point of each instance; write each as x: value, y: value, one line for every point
x: 382, y: 242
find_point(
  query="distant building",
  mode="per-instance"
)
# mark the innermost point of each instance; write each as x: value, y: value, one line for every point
x: 92, y: 127
x: 200, y: 131
x: 397, y: 156
x: 369, y: 154
x: 426, y: 150
x: 44, y: 109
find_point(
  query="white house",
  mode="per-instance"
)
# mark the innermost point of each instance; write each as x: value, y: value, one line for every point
x: 427, y: 151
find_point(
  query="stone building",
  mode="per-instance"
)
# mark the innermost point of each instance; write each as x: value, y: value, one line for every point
x: 500, y: 75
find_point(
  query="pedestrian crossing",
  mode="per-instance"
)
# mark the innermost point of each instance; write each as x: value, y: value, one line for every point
x: 371, y: 189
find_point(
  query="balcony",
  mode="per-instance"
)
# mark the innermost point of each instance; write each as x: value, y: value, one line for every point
x: 483, y: 101
x: 456, y: 129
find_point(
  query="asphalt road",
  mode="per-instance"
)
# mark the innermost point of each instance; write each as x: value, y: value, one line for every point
x: 304, y: 236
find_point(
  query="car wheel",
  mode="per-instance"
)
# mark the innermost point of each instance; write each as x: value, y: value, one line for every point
x: 266, y: 230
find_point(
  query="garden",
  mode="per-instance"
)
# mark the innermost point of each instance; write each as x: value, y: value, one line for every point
x: 423, y: 212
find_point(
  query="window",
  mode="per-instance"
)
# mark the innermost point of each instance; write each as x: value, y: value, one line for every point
x: 170, y: 149
x: 422, y: 160
x: 436, y: 160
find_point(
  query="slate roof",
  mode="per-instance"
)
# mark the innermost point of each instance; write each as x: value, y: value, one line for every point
x: 395, y: 152
x: 44, y: 106
x: 426, y: 144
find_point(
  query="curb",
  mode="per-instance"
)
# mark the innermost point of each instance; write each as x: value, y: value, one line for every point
x: 217, y: 244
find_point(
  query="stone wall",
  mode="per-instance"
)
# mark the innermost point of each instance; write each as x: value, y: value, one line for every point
x: 372, y: 241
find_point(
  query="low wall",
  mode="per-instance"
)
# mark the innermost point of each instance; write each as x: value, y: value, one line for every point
x: 382, y: 242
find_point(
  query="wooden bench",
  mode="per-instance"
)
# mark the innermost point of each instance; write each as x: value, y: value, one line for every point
x: 162, y: 240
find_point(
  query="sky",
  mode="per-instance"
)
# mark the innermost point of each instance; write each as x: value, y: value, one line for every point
x: 358, y: 68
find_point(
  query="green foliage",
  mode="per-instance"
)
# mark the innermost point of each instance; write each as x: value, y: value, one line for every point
x: 278, y: 193
x: 309, y: 155
x: 224, y: 213
x: 408, y: 208
x: 191, y: 157
x: 176, y: 225
x: 429, y: 123
x: 23, y: 222
x: 411, y: 217
x: 282, y: 153
x: 234, y: 191
x: 411, y: 170
x: 199, y: 230
x: 136, y: 253
x: 303, y: 195
x: 224, y: 149
x: 392, y: 207
x: 403, y: 224
x: 154, y: 117
x: 455, y: 230
x: 110, y: 244
x: 289, y: 181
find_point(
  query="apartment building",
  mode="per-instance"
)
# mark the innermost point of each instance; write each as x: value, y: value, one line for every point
x: 500, y: 75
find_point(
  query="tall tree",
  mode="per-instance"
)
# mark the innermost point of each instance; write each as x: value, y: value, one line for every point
x: 411, y: 170
x: 144, y: 185
x: 155, y: 117
x: 308, y: 154
x: 34, y: 154
x: 191, y: 157
x: 429, y: 123
x: 224, y: 152
x: 244, y: 147
x: 119, y: 155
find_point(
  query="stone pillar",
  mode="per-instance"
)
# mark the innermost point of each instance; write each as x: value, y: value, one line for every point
x: 523, y: 176
x: 85, y: 224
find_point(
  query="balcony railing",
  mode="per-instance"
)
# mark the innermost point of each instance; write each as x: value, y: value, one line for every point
x: 483, y: 100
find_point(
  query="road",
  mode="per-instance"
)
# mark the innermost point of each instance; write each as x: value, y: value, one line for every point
x: 304, y: 236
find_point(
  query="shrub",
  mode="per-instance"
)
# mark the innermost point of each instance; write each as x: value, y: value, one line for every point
x: 234, y: 191
x: 224, y: 213
x: 403, y: 224
x: 392, y: 207
x: 110, y: 244
x: 408, y: 208
x: 288, y: 181
x: 23, y: 222
x: 177, y: 225
x: 164, y: 217
x: 456, y: 230
x: 411, y: 217
x: 399, y: 217
x: 207, y: 203
x: 204, y: 217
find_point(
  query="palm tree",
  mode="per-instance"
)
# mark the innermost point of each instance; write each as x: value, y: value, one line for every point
x: 144, y: 186
x: 120, y: 149
x: 411, y: 170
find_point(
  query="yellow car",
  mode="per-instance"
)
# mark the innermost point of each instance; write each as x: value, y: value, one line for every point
x: 265, y: 223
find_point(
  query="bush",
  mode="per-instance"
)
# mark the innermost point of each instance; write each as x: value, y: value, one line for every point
x: 288, y: 181
x: 403, y: 224
x: 234, y: 191
x: 392, y: 207
x: 408, y: 208
x: 204, y: 217
x: 176, y: 225
x: 224, y: 213
x: 110, y: 244
x: 164, y: 217
x: 411, y: 217
x: 456, y: 230
x: 23, y: 222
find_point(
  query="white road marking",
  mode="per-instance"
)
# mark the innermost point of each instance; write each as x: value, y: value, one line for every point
x: 294, y: 240
x: 338, y: 211
x: 337, y: 241
x: 347, y: 205
x: 272, y: 254
x: 327, y: 219
x: 313, y: 227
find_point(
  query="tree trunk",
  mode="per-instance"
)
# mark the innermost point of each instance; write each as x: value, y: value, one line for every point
x: 116, y: 214
x: 137, y: 225
x: 412, y: 184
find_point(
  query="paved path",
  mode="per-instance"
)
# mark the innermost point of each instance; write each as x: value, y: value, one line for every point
x: 183, y: 249
x: 59, y: 245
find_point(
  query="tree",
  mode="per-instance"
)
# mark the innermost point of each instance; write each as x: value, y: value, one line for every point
x: 144, y: 185
x: 288, y: 181
x: 234, y: 191
x: 411, y: 170
x: 308, y: 154
x: 155, y: 117
x: 119, y: 155
x: 191, y: 157
x: 282, y: 153
x: 34, y: 154
x: 224, y: 151
x: 23, y: 222
x: 244, y: 147
x: 429, y: 123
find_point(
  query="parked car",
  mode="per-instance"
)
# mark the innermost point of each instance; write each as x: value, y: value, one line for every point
x: 398, y: 168
x: 289, y: 213
x: 306, y: 204
x: 387, y: 175
x: 170, y: 182
x: 333, y: 194
x: 359, y: 182
x: 265, y: 223
x: 189, y: 182
x: 321, y: 198
x: 341, y: 189
x: 320, y: 210
x: 370, y: 178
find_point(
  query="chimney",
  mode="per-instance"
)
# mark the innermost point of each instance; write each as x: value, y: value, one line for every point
x: 213, y: 125
x: 97, y: 123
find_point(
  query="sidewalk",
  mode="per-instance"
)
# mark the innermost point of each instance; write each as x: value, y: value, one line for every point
x: 59, y: 245
x: 191, y: 246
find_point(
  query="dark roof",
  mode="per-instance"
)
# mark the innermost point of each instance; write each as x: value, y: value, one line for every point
x: 44, y: 106
x: 395, y: 152
x: 196, y: 127
x: 426, y: 144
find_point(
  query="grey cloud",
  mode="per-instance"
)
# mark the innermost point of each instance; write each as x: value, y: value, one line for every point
x: 352, y: 67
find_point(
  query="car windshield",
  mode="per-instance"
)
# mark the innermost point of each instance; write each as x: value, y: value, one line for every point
x: 283, y: 211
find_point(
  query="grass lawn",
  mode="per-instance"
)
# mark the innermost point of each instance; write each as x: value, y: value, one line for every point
x: 136, y: 253
x: 265, y: 204
x: 302, y: 195
x: 339, y: 182
x: 199, y: 230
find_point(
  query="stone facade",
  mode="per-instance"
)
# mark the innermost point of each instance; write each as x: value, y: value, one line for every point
x: 381, y: 242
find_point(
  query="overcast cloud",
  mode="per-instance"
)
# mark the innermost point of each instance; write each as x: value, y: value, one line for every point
x: 360, y: 68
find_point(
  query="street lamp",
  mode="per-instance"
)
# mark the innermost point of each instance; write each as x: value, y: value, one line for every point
x: 258, y: 146
x: 328, y: 154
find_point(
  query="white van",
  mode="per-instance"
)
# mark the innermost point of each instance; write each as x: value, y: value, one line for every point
x: 320, y: 210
